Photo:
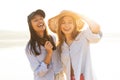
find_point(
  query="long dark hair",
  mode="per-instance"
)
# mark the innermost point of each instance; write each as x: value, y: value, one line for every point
x: 35, y: 41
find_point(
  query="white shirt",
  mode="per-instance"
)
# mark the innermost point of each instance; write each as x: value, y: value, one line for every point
x: 78, y: 55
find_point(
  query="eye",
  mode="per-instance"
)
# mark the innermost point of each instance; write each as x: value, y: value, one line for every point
x: 35, y: 20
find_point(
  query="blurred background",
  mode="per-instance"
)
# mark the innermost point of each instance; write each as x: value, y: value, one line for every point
x: 14, y: 35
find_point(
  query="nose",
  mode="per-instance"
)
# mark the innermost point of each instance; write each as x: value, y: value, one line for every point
x: 40, y: 21
x: 67, y: 25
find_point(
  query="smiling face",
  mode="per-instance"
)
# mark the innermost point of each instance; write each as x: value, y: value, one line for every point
x: 38, y: 23
x: 67, y: 25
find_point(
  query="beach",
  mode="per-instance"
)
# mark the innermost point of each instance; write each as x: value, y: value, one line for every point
x: 14, y: 65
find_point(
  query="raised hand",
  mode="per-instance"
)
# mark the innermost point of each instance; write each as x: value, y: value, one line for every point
x: 94, y: 26
x: 48, y: 46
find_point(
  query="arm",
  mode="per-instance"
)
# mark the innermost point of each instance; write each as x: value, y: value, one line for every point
x: 39, y: 68
x: 56, y: 60
x: 94, y: 27
x: 93, y: 33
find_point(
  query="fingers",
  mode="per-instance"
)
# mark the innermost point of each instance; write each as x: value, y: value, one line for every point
x: 48, y: 44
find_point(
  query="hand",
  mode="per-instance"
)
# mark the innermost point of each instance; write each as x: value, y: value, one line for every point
x: 48, y: 46
x: 94, y: 26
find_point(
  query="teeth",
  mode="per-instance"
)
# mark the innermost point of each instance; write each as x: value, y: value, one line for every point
x: 40, y: 25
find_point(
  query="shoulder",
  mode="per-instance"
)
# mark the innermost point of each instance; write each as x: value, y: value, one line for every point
x: 83, y: 33
x: 53, y: 37
x: 80, y: 34
x: 27, y: 48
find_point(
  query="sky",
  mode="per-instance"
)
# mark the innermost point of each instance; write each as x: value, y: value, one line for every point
x: 13, y: 13
x: 13, y: 17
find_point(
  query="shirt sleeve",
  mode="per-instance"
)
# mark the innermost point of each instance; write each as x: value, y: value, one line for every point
x: 91, y: 37
x: 57, y: 64
x: 39, y: 68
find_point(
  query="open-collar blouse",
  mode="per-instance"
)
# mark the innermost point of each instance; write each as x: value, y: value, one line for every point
x: 78, y: 55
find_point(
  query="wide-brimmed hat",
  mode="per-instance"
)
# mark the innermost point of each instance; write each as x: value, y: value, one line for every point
x: 53, y: 22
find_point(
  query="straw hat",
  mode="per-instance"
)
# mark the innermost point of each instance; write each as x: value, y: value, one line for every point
x: 53, y: 22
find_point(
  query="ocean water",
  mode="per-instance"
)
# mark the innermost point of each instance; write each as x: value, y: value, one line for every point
x: 105, y: 57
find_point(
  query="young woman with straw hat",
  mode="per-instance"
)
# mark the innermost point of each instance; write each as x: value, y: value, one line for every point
x: 74, y: 43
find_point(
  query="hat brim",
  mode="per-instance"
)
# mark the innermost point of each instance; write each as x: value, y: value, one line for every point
x: 53, y: 22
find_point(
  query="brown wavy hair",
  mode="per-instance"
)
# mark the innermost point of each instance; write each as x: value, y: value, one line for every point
x: 60, y: 34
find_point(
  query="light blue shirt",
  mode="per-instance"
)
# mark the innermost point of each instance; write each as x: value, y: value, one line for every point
x: 40, y: 69
x: 78, y: 55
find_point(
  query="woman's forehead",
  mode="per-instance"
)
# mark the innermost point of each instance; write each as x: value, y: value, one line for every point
x: 37, y: 16
x: 67, y: 18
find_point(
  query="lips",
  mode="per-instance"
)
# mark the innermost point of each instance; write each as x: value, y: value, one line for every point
x: 66, y: 29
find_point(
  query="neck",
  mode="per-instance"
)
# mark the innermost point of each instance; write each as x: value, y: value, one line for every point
x: 41, y: 34
x: 69, y: 39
